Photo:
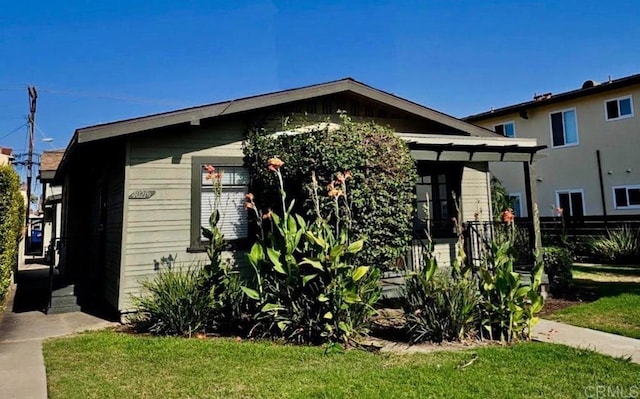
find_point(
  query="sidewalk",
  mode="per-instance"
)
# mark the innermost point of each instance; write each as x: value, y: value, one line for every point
x: 22, y: 372
x: 579, y: 337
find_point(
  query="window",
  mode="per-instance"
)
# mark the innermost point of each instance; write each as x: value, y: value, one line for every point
x: 626, y: 197
x: 571, y: 202
x: 564, y: 128
x: 516, y: 200
x: 507, y: 129
x: 235, y: 184
x: 618, y: 108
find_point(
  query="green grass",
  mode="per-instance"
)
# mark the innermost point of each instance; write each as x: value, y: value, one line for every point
x: 112, y: 365
x: 616, y: 294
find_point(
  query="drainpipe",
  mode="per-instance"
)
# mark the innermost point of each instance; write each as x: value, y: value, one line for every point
x: 604, y: 205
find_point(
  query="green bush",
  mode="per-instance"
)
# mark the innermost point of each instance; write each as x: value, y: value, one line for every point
x: 11, y: 221
x: 176, y: 303
x: 557, y: 264
x: 383, y: 171
x: 440, y: 308
x: 307, y: 286
x: 618, y: 246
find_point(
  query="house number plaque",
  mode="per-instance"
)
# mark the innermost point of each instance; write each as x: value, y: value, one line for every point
x: 142, y: 194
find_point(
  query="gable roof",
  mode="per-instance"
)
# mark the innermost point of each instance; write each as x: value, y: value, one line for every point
x: 195, y: 114
x: 588, y: 88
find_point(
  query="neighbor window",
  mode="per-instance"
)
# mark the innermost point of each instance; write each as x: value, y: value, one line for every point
x: 507, y: 129
x: 516, y: 200
x: 618, y: 108
x: 626, y: 197
x: 235, y: 184
x: 571, y: 202
x: 564, y: 128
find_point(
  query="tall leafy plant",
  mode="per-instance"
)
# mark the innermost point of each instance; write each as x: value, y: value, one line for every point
x: 11, y: 223
x: 306, y: 284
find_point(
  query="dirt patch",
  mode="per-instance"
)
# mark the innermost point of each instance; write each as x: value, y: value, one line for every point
x: 552, y: 305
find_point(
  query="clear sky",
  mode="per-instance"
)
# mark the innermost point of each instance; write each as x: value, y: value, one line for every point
x: 98, y: 61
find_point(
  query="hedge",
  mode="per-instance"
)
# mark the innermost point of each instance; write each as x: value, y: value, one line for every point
x: 381, y: 192
x: 11, y: 218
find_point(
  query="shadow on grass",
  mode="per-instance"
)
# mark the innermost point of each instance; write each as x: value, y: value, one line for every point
x: 609, y: 269
x: 591, y: 290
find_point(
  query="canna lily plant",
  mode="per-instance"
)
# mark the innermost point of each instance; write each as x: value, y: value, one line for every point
x: 304, y: 283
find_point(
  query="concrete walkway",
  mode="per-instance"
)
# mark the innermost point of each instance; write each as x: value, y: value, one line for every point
x: 22, y: 372
x: 578, y: 337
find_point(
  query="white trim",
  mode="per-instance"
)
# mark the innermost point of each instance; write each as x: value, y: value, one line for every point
x: 617, y: 100
x: 562, y: 111
x: 519, y: 202
x: 571, y: 191
x: 515, y: 134
x: 626, y: 187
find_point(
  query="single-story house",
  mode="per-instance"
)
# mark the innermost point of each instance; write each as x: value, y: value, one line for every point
x: 134, y: 195
x: 51, y: 203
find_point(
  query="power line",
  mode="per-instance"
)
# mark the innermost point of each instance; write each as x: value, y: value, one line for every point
x: 128, y: 99
x: 13, y: 131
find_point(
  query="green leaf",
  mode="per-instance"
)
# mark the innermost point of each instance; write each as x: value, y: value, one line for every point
x: 274, y: 257
x: 307, y: 278
x: 328, y: 316
x: 270, y: 307
x: 282, y: 325
x: 322, y: 298
x: 351, y: 297
x: 316, y: 240
x: 313, y: 263
x: 256, y: 254
x: 359, y: 273
x: 251, y: 293
x: 337, y: 250
x: 344, y: 327
x: 355, y: 246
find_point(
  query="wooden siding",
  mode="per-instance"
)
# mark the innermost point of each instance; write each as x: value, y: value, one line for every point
x: 160, y: 226
x: 476, y: 195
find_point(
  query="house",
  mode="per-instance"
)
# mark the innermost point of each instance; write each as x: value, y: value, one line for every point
x: 51, y: 204
x: 134, y: 198
x: 593, y: 136
x: 6, y: 156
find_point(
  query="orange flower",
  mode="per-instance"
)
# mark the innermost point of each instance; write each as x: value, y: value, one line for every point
x: 249, y: 197
x: 210, y: 169
x: 248, y: 205
x: 334, y: 192
x: 267, y: 215
x: 507, y: 216
x: 347, y: 175
x: 340, y: 178
x: 476, y: 215
x: 208, y: 177
x: 559, y: 211
x: 275, y: 163
x: 218, y: 176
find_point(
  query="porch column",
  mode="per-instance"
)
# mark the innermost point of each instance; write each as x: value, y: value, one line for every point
x: 535, y: 240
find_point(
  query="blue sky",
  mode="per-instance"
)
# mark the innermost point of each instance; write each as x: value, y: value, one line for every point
x: 98, y: 61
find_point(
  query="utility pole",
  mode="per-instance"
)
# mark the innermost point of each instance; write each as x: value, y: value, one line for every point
x: 33, y: 97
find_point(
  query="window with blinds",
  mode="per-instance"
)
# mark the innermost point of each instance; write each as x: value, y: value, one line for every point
x: 233, y: 215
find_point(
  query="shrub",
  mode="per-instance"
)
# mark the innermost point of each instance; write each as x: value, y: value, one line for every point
x: 306, y: 284
x: 11, y: 222
x: 383, y: 175
x: 439, y: 308
x: 557, y: 264
x: 175, y: 304
x: 619, y: 246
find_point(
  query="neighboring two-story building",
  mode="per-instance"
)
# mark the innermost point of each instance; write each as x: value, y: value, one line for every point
x: 6, y: 156
x: 592, y: 167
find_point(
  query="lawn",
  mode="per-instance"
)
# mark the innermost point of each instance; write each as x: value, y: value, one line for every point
x: 616, y: 308
x: 114, y: 365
